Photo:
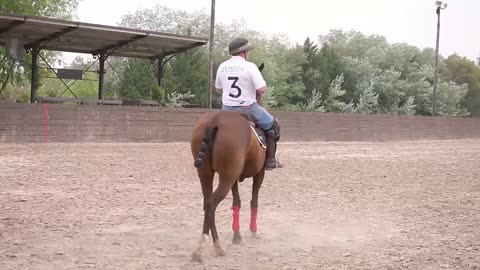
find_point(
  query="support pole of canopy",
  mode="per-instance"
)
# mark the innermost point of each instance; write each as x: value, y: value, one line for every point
x: 101, y: 75
x: 34, y: 76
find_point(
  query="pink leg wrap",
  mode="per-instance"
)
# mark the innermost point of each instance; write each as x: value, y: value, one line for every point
x: 236, y: 218
x: 253, y: 219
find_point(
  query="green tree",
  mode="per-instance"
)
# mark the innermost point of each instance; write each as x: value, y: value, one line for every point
x: 320, y: 68
x: 314, y: 103
x: 368, y: 101
x: 12, y: 73
x: 356, y: 44
x: 449, y: 99
x: 282, y: 72
x: 332, y: 102
x: 420, y: 78
x: 461, y: 70
x: 60, y: 9
x: 378, y: 77
x: 187, y: 74
x: 358, y: 73
x: 138, y: 80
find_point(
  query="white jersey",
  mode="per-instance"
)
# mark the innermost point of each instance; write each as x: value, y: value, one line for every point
x: 239, y: 80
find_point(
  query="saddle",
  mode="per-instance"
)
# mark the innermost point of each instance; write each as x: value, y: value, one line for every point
x: 249, y: 119
x: 260, y: 133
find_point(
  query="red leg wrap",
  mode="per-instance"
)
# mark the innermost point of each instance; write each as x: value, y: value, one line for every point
x: 236, y: 218
x: 253, y: 220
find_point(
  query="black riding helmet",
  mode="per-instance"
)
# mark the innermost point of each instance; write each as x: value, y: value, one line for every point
x: 238, y: 45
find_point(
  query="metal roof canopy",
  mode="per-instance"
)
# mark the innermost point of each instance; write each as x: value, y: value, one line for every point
x: 102, y: 41
x: 69, y: 36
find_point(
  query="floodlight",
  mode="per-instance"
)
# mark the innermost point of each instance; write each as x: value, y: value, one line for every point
x: 441, y: 4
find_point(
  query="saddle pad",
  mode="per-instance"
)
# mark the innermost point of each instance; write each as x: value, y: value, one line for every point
x: 261, y: 139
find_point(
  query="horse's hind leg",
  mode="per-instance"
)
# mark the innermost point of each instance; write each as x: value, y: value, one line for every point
x: 224, y: 185
x: 237, y: 239
x: 206, y: 180
x: 257, y: 183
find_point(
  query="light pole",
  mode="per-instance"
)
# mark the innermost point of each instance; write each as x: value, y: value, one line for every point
x: 440, y: 5
x: 210, y: 55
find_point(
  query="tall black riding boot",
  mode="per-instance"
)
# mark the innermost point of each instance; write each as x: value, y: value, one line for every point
x: 271, y: 162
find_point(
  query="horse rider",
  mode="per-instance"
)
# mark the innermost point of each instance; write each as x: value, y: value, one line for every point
x: 239, y: 81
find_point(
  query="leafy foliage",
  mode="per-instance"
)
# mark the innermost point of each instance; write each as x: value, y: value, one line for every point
x: 342, y: 71
x: 178, y: 99
x: 14, y: 74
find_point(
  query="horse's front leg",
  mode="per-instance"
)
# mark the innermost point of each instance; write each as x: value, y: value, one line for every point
x: 237, y: 239
x: 257, y: 183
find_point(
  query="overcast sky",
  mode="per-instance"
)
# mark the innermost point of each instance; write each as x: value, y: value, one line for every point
x: 410, y: 21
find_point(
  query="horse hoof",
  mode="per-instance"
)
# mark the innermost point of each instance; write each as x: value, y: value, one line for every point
x: 219, y: 250
x: 237, y: 240
x: 256, y: 235
x: 197, y: 257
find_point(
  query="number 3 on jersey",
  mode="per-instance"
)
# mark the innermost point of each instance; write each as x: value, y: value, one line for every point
x: 235, y: 79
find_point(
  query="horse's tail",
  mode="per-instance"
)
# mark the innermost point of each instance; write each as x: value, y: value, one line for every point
x: 206, y: 147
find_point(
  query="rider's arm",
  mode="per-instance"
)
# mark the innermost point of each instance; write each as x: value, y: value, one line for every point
x: 258, y: 81
x: 262, y: 90
x: 260, y: 84
x: 259, y: 99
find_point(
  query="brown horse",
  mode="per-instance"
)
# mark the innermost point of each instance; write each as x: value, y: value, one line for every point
x: 223, y: 142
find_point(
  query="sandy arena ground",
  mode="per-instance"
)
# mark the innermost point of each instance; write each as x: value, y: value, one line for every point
x: 404, y: 205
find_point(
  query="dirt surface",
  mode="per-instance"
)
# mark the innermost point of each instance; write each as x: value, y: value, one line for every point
x: 412, y: 205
